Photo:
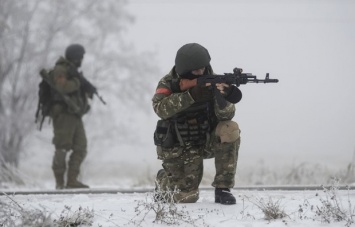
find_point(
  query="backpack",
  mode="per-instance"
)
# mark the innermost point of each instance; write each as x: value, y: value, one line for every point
x: 44, y: 102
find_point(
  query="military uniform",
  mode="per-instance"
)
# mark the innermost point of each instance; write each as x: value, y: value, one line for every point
x: 68, y: 127
x: 191, y: 131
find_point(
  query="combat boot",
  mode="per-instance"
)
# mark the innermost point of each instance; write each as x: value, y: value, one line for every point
x: 76, y: 184
x: 72, y: 180
x: 59, y: 181
x: 224, y: 196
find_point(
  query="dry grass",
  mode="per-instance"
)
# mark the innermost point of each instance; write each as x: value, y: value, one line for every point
x: 161, y: 204
x: 14, y: 215
x: 332, y: 208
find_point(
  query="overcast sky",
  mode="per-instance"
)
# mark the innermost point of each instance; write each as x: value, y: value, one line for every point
x: 308, y: 45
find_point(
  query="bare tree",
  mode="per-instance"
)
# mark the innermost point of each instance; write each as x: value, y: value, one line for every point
x: 34, y: 33
x: 14, y: 61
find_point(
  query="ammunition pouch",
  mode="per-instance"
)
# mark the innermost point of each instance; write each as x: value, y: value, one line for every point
x: 163, y: 135
x: 181, y: 132
x: 191, y: 127
x: 192, y: 131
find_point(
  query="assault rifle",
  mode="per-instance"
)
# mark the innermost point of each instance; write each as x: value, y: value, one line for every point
x: 236, y: 78
x: 89, y: 88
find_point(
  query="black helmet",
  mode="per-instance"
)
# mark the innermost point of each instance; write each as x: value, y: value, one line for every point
x: 190, y: 57
x: 74, y: 52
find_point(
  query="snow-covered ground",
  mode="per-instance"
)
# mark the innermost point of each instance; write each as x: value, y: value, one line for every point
x: 137, y: 209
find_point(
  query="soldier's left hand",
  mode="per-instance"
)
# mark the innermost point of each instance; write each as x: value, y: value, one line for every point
x: 222, y: 87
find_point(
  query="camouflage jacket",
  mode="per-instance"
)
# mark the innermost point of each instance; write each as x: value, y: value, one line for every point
x: 167, y: 103
x: 65, y: 77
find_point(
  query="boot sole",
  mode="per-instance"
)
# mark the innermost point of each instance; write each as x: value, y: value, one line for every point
x: 218, y: 200
x: 73, y: 187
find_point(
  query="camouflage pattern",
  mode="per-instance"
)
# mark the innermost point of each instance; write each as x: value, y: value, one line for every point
x: 183, y: 166
x: 166, y: 106
x: 68, y: 127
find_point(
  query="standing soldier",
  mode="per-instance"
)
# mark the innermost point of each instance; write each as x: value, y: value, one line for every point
x: 68, y: 127
x: 193, y: 128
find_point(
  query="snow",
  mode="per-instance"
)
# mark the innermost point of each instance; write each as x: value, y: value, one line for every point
x: 291, y: 40
x: 134, y: 209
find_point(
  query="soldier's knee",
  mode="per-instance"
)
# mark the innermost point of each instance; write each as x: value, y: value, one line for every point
x: 228, y: 131
x: 62, y: 143
x: 80, y: 146
x: 62, y: 140
x: 80, y: 152
x: 60, y: 154
x: 187, y: 197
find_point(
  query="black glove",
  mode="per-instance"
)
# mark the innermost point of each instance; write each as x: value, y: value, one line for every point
x: 201, y: 93
x: 232, y: 94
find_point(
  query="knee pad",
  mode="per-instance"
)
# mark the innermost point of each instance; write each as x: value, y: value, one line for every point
x: 228, y: 131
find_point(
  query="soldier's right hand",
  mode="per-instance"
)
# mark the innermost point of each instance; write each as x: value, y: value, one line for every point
x: 186, y: 84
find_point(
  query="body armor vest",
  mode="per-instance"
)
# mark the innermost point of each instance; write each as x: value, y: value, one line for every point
x: 193, y: 125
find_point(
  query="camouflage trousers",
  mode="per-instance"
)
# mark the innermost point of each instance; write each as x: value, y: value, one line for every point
x: 69, y: 134
x: 183, y: 166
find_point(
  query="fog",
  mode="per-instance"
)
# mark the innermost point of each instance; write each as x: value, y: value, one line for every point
x: 308, y: 45
x: 308, y: 117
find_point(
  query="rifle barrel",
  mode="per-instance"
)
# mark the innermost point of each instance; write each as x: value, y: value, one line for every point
x: 271, y: 81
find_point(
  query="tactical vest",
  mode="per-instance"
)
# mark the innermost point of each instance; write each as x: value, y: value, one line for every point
x: 79, y: 95
x: 193, y: 125
x: 190, y: 127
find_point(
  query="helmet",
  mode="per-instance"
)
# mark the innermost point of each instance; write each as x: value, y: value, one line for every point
x: 190, y: 57
x: 74, y: 52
